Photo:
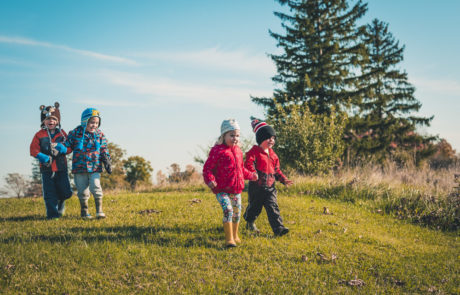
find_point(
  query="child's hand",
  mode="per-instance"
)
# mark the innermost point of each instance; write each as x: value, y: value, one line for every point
x: 61, y: 148
x: 288, y: 182
x: 212, y: 184
x: 44, y: 159
x: 254, y: 177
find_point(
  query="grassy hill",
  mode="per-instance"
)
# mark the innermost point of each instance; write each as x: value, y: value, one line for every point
x: 164, y: 242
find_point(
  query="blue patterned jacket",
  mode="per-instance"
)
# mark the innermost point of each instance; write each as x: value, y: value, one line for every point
x: 89, y: 158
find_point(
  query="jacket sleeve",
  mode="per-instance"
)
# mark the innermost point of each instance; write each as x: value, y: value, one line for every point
x: 249, y: 163
x: 247, y: 174
x: 70, y: 140
x: 278, y: 174
x: 104, y: 148
x: 35, y: 146
x: 69, y: 150
x: 209, y: 166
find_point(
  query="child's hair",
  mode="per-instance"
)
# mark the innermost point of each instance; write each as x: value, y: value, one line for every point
x: 221, y: 140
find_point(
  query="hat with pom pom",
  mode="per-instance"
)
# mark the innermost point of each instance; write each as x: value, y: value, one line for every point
x: 262, y: 130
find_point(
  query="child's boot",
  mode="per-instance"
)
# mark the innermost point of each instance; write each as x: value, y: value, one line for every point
x: 99, y: 212
x: 235, y: 226
x: 229, y: 241
x: 84, y: 209
x: 61, y: 207
x: 251, y: 226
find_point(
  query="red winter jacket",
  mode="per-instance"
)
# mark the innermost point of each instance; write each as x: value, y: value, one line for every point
x: 41, y: 144
x: 225, y: 166
x: 266, y: 165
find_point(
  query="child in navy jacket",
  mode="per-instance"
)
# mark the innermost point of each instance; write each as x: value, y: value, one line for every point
x: 47, y: 146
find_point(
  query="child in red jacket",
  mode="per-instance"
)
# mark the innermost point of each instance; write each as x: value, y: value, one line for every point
x: 262, y: 193
x: 224, y: 173
x: 47, y: 146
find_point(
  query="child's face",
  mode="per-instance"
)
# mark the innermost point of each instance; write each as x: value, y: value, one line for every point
x: 51, y: 123
x: 268, y: 143
x: 232, y: 138
x: 92, y: 125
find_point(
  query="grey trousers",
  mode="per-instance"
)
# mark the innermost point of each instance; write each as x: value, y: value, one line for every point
x: 86, y: 183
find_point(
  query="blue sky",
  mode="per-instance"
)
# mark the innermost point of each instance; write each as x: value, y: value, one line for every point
x: 164, y: 74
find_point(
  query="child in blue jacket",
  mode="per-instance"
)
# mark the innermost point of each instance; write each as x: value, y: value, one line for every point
x: 90, y: 152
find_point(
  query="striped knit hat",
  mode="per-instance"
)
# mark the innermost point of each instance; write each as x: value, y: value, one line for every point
x: 262, y: 130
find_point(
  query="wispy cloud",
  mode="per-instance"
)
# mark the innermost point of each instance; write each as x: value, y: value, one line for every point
x: 160, y: 89
x: 91, y: 54
x: 239, y: 60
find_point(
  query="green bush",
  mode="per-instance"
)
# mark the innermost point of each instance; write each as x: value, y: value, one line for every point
x: 308, y: 143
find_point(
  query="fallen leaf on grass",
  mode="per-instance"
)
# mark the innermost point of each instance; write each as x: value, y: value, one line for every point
x: 195, y: 200
x: 304, y: 258
x: 326, y: 211
x: 355, y: 282
x: 380, y: 211
x: 290, y: 222
x: 324, y: 259
x: 399, y: 282
x: 149, y: 211
x: 10, y: 266
x: 345, y: 230
x: 318, y: 232
x: 432, y: 289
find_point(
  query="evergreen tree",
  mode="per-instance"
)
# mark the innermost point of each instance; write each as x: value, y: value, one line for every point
x: 322, y: 50
x: 386, y: 119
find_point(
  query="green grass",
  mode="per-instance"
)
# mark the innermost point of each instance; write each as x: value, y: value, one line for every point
x: 180, y: 250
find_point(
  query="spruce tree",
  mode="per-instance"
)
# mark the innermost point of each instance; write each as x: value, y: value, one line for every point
x: 386, y: 119
x: 322, y: 48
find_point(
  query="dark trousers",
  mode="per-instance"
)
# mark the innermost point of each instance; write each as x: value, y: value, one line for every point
x: 259, y: 197
x: 56, y: 189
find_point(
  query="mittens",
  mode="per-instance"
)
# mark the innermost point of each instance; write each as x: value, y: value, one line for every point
x: 61, y: 148
x: 44, y: 159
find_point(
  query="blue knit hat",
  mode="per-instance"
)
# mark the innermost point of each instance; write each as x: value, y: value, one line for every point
x: 88, y: 114
x: 85, y: 116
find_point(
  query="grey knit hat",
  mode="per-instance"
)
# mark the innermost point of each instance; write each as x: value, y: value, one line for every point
x: 229, y: 125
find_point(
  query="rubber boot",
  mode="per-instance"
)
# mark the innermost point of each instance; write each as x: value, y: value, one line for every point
x: 99, y: 212
x: 251, y: 226
x: 84, y: 209
x: 235, y: 226
x: 229, y: 241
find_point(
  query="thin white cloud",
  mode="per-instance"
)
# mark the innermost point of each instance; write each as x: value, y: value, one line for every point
x: 239, y: 60
x: 92, y: 54
x: 446, y: 87
x: 166, y: 90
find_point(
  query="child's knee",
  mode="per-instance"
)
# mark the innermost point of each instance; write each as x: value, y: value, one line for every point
x: 228, y: 214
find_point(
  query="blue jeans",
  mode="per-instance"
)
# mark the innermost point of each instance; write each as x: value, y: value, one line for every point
x: 56, y: 189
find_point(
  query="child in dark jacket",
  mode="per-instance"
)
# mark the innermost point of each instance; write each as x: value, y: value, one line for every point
x: 262, y: 193
x: 47, y: 146
x: 224, y: 173
x: 90, y: 152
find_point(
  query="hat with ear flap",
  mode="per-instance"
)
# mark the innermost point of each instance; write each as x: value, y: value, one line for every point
x: 85, y: 117
x: 50, y: 112
x: 88, y: 114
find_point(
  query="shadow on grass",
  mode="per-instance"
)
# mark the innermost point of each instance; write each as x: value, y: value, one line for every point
x: 23, y: 218
x: 183, y: 236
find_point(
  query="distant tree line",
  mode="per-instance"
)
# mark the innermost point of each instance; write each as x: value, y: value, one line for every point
x: 127, y: 174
